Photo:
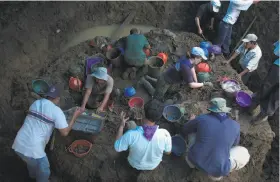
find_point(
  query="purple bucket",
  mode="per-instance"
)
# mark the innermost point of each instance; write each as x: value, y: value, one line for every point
x: 215, y: 49
x: 243, y: 99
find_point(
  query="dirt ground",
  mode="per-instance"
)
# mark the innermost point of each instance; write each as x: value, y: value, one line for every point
x: 30, y: 49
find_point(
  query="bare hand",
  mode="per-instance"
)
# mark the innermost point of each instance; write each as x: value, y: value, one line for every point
x: 211, y: 27
x: 77, y: 112
x: 100, y: 109
x: 200, y: 31
x: 192, y: 117
x: 82, y: 109
x: 124, y: 119
x: 239, y: 77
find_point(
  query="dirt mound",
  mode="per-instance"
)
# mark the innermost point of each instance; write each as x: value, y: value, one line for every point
x: 104, y: 164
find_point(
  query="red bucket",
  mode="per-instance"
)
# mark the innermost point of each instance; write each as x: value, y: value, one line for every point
x: 136, y: 102
x: 74, y: 148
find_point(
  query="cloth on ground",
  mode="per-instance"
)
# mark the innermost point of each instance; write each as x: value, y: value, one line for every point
x: 35, y: 132
x: 134, y: 54
x: 215, y: 136
x: 144, y: 154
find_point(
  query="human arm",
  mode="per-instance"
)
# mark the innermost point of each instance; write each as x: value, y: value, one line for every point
x: 104, y: 101
x: 211, y: 27
x: 244, y: 72
x: 122, y: 141
x: 168, y: 143
x: 190, y: 126
x: 196, y: 85
x: 65, y: 131
x: 237, y: 140
x: 194, y: 74
x: 85, y: 99
x: 197, y: 22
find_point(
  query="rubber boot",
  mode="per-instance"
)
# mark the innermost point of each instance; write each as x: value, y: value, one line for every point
x: 148, y: 86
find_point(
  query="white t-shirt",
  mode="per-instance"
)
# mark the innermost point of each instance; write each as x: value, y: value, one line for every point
x: 234, y: 9
x: 144, y: 154
x: 37, y: 128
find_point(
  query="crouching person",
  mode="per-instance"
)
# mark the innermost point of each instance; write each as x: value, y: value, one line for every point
x: 99, y: 86
x: 216, y: 135
x: 182, y: 72
x: 30, y: 142
x: 146, y: 143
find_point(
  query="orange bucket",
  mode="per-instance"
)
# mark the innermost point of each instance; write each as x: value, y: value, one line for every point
x: 80, y: 148
x: 163, y: 56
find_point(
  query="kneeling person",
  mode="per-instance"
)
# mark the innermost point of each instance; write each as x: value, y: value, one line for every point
x: 97, y: 84
x: 146, y: 143
x: 213, y: 140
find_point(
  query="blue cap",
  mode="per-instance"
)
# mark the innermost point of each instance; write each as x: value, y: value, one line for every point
x: 198, y: 52
x: 53, y: 92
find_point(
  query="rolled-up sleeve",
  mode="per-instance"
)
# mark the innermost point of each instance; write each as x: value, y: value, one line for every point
x: 240, y: 49
x: 168, y: 143
x: 123, y: 143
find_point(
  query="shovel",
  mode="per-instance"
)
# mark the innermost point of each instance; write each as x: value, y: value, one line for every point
x: 203, y: 37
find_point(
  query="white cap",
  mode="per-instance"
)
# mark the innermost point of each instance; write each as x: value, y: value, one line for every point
x: 100, y: 73
x: 250, y: 37
x: 216, y: 5
x: 198, y: 52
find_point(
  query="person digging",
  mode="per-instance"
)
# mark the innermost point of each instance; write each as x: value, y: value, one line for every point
x: 213, y: 140
x: 204, y: 13
x: 182, y: 72
x: 250, y: 55
x: 99, y: 86
x: 43, y: 116
x: 134, y: 56
x: 146, y: 143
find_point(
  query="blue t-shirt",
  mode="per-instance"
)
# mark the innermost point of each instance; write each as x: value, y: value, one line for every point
x: 134, y: 54
x: 180, y: 72
x: 215, y: 135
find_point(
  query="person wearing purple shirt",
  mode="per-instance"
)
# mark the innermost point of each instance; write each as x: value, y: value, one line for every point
x: 182, y: 72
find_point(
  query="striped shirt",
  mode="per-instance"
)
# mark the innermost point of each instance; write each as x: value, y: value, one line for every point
x: 43, y: 116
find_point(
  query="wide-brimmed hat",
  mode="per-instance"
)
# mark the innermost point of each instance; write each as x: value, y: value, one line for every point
x: 219, y: 105
x: 100, y: 73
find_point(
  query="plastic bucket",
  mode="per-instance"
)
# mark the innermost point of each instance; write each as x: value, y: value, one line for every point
x: 172, y: 113
x: 129, y: 91
x: 205, y: 45
x: 114, y: 55
x: 136, y: 102
x: 40, y: 86
x: 155, y: 66
x: 243, y: 99
x: 178, y: 145
x: 215, y: 49
x: 80, y: 148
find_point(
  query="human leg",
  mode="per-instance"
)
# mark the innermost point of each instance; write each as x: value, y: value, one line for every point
x: 222, y: 33
x: 190, y: 143
x: 227, y: 40
x: 31, y: 164
x: 245, y: 78
x: 161, y: 88
x: 43, y: 170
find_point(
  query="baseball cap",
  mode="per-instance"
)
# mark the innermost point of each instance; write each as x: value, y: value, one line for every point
x: 219, y: 105
x: 53, y: 92
x: 216, y: 5
x: 100, y: 73
x: 250, y: 37
x: 198, y: 52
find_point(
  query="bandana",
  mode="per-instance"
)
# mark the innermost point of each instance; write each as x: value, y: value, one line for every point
x: 149, y: 131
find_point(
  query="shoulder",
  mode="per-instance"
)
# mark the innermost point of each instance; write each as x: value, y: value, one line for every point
x: 58, y: 113
x: 110, y: 79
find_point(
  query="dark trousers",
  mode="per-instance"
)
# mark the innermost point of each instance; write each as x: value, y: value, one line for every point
x: 224, y: 36
x: 268, y: 97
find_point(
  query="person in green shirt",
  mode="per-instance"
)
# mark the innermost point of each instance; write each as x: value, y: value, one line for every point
x: 134, y: 55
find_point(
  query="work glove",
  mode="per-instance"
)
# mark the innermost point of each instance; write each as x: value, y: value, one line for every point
x: 209, y: 84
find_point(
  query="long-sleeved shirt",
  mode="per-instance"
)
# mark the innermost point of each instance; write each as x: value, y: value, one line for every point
x: 249, y: 58
x: 234, y: 9
x: 216, y: 134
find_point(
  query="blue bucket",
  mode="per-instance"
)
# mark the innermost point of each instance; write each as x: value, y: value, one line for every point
x: 178, y: 145
x: 40, y: 86
x: 172, y: 113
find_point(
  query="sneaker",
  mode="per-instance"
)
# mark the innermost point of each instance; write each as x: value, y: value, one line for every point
x: 259, y: 119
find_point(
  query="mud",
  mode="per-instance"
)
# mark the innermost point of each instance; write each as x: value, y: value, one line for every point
x: 30, y: 46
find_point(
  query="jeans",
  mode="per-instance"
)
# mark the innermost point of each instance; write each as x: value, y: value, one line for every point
x: 224, y: 36
x: 38, y: 169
